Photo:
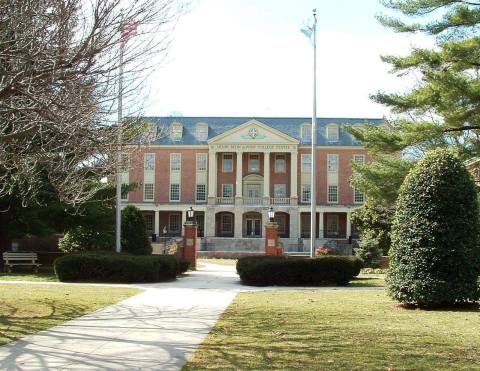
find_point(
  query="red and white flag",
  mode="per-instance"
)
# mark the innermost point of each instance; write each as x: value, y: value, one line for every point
x: 129, y: 30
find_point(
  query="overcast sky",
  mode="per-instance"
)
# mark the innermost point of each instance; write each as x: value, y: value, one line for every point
x: 249, y: 58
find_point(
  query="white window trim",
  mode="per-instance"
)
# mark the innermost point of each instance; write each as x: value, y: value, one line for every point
x: 250, y: 170
x: 301, y: 193
x: 309, y: 137
x: 333, y: 217
x: 144, y: 160
x: 304, y: 155
x: 328, y: 162
x: 172, y: 155
x: 170, y: 192
x: 176, y: 131
x: 196, y: 192
x: 153, y: 193
x: 230, y: 216
x: 359, y: 156
x: 223, y: 186
x: 284, y: 162
x: 354, y: 198
x: 199, y: 155
x: 337, y: 128
x: 201, y: 136
x: 223, y: 163
x: 179, y: 224
x: 328, y: 194
x: 278, y: 185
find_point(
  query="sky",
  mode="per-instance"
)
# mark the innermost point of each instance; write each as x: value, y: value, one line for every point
x: 249, y: 58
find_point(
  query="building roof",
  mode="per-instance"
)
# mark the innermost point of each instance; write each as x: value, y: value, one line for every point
x: 288, y: 125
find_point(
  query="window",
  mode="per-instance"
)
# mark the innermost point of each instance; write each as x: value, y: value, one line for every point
x: 125, y: 164
x: 332, y: 162
x: 306, y: 163
x: 306, y: 133
x: 253, y: 163
x: 201, y: 161
x: 175, y: 161
x: 306, y: 193
x: 358, y: 197
x: 227, y: 163
x: 174, y: 192
x: 201, y: 193
x: 332, y: 225
x: 359, y: 159
x: 332, y: 194
x: 149, y: 161
x: 332, y: 133
x: 227, y: 190
x: 124, y: 195
x: 201, y: 132
x: 149, y: 223
x: 281, y: 220
x: 227, y: 223
x: 174, y: 222
x: 148, y: 192
x: 280, y: 163
x: 280, y: 190
x: 176, y: 131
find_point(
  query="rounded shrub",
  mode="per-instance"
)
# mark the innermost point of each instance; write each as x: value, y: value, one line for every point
x: 110, y: 267
x: 81, y: 238
x: 435, y: 256
x: 134, y: 232
x: 280, y: 270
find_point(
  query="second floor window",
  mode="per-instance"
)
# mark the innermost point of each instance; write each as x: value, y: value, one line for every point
x: 306, y: 195
x: 253, y: 163
x: 359, y: 159
x: 174, y: 192
x: 149, y: 161
x: 332, y: 194
x: 201, y: 161
x: 280, y: 163
x: 306, y: 163
x: 227, y: 190
x: 280, y: 190
x: 175, y: 161
x: 148, y: 192
x: 227, y: 163
x: 358, y: 197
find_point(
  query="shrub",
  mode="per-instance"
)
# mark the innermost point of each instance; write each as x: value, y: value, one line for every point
x: 183, y: 266
x: 82, y: 238
x: 134, y: 232
x: 110, y: 267
x: 435, y: 254
x: 369, y: 250
x: 280, y: 270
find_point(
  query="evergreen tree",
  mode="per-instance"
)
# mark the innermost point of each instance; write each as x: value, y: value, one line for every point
x: 435, y: 255
x: 134, y: 232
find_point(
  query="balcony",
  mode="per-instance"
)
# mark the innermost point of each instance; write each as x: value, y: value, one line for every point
x: 256, y: 201
x: 280, y: 200
x: 225, y: 201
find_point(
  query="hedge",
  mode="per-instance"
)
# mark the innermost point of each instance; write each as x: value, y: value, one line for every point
x: 284, y: 271
x: 104, y: 267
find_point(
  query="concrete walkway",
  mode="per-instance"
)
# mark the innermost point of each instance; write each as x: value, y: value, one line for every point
x: 155, y: 330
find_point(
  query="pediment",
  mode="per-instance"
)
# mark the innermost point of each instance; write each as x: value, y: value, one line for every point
x: 253, y: 132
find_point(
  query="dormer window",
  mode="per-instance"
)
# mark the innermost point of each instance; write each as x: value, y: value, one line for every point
x: 306, y: 133
x: 201, y: 131
x: 176, y: 131
x: 332, y: 133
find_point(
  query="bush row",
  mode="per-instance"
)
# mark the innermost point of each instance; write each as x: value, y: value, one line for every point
x: 284, y: 271
x: 108, y: 267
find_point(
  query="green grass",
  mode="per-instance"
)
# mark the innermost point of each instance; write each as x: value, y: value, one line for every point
x: 337, y: 330
x: 363, y: 281
x: 25, y: 276
x: 28, y: 308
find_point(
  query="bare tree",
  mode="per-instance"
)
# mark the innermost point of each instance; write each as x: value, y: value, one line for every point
x: 59, y: 71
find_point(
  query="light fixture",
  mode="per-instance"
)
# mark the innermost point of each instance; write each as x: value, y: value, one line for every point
x: 190, y: 213
x: 271, y: 214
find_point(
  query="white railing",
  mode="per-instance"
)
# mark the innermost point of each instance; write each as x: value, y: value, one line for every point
x: 280, y: 200
x: 253, y: 201
x: 225, y: 200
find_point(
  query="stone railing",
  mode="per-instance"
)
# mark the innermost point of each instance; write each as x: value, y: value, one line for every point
x: 280, y: 200
x: 225, y: 200
x: 253, y: 201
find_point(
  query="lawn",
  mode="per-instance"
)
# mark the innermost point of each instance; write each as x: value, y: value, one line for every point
x: 29, y: 308
x: 340, y: 329
x: 29, y: 276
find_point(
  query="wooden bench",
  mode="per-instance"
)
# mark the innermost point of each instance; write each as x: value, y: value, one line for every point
x: 20, y: 258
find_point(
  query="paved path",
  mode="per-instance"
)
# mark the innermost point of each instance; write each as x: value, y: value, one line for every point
x: 155, y: 330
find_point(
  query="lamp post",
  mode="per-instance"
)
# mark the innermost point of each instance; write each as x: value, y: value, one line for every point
x: 190, y: 213
x: 189, y: 251
x: 271, y: 214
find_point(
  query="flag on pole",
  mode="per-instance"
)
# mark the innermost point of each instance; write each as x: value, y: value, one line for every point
x: 129, y: 30
x: 308, y: 31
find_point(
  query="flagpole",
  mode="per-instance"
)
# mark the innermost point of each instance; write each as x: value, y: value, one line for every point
x: 313, y: 182
x: 118, y: 221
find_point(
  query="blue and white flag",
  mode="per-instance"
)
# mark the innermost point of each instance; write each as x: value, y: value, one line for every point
x: 308, y: 31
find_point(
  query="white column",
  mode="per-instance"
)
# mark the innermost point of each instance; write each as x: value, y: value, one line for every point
x: 184, y: 219
x: 209, y: 222
x: 212, y: 175
x: 321, y: 232
x: 156, y: 221
x: 238, y: 222
x: 349, y: 226
x: 238, y: 182
x: 293, y: 178
x: 266, y: 175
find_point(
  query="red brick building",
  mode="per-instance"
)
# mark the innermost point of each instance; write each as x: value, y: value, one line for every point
x: 232, y: 170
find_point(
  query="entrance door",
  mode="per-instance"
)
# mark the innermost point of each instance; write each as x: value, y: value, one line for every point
x: 254, y: 227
